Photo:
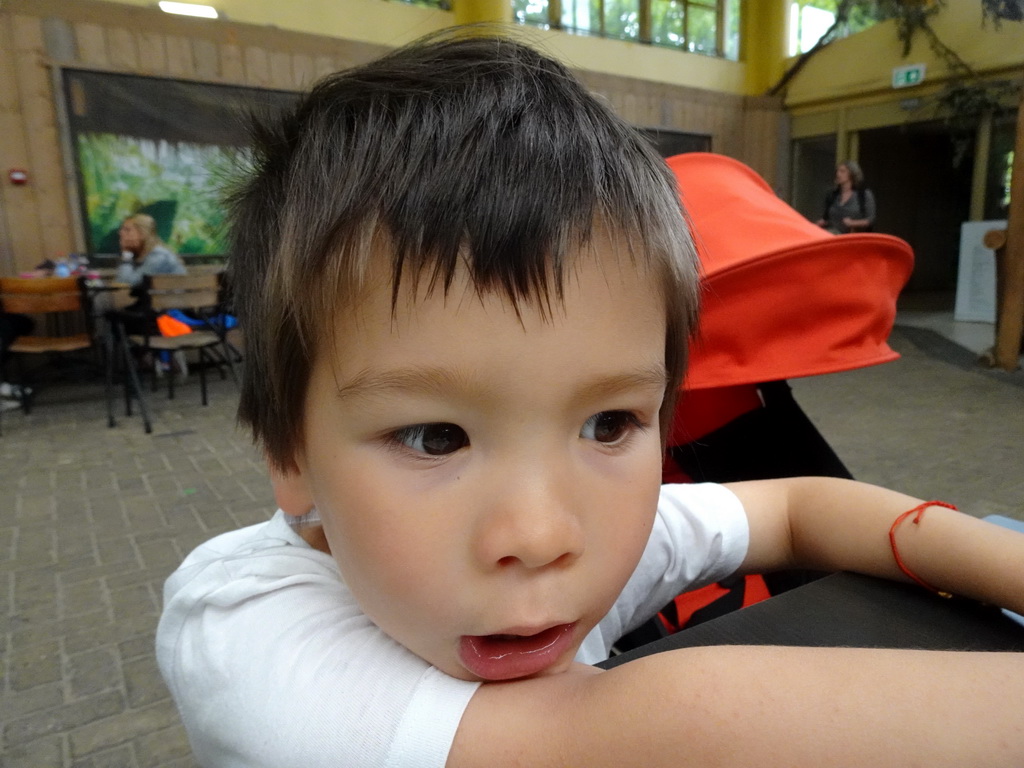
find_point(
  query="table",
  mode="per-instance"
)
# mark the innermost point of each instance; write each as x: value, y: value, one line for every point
x: 846, y: 609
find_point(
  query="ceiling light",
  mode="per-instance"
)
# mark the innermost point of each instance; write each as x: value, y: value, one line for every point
x: 189, y: 9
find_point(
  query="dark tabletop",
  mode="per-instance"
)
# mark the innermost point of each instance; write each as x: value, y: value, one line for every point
x: 846, y: 609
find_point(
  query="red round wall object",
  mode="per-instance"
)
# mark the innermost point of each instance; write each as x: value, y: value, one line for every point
x: 18, y: 176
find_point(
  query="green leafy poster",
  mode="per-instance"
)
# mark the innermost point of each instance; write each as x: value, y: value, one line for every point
x: 180, y: 184
x: 169, y: 148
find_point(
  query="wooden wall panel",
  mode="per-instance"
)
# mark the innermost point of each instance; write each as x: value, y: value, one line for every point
x: 152, y: 53
x: 325, y: 65
x: 257, y: 67
x: 303, y: 71
x: 179, y: 57
x: 49, y: 215
x: 281, y: 71
x: 232, y: 68
x: 207, y: 59
x: 759, y: 139
x: 690, y: 110
x: 92, y: 44
x: 19, y: 227
x: 123, y: 50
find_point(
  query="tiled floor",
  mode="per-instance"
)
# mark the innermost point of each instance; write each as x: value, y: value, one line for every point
x: 93, y: 519
x: 977, y: 337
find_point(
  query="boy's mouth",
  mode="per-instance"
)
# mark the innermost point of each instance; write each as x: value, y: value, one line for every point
x: 508, y: 656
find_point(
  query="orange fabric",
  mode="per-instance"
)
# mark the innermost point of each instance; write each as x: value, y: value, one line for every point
x: 170, y: 326
x: 689, y: 603
x: 782, y: 298
x: 754, y: 591
x: 701, y: 411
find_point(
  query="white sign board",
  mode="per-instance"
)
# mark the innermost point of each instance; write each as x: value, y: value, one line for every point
x: 976, y: 277
x: 910, y: 75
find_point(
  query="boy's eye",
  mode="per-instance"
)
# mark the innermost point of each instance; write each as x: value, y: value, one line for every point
x: 609, y: 426
x: 432, y: 439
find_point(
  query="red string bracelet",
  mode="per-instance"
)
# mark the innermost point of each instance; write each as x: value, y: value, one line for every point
x: 919, y: 509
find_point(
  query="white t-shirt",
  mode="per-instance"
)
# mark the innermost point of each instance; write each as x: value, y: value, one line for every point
x: 272, y: 663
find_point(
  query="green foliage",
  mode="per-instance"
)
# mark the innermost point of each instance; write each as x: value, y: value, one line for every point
x: 850, y: 16
x: 621, y: 18
x: 178, y: 184
x: 690, y: 25
x: 531, y: 12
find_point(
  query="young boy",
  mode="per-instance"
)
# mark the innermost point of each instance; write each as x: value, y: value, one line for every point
x: 467, y: 289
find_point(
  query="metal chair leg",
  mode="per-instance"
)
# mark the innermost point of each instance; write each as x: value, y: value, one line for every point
x: 108, y: 382
x: 203, y: 360
x: 133, y: 384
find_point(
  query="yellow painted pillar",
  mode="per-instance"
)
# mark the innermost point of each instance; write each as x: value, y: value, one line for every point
x: 1010, y: 312
x: 764, y: 29
x: 979, y: 174
x: 482, y: 11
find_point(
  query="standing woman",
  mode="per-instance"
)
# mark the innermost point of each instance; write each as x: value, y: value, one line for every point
x: 850, y: 206
x: 143, y: 252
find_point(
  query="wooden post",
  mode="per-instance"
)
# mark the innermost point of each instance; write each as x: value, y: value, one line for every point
x: 995, y: 241
x: 1010, y: 309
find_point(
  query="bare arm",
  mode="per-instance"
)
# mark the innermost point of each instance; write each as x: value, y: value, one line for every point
x: 856, y: 224
x: 742, y: 706
x: 836, y: 524
x: 738, y: 706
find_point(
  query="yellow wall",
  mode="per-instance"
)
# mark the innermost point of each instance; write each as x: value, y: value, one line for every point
x: 861, y: 65
x: 763, y: 36
x: 371, y: 21
x: 396, y: 23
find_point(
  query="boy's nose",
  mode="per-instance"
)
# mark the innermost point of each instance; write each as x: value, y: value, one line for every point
x: 530, y: 524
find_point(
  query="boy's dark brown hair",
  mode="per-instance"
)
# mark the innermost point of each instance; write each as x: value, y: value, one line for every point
x: 462, y: 149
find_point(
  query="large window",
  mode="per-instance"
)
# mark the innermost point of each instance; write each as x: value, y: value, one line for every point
x: 710, y: 27
x: 810, y: 19
x: 694, y: 26
x: 607, y: 18
x: 444, y: 5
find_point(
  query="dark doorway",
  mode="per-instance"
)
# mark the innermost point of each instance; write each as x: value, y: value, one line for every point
x: 922, y: 198
x: 814, y: 172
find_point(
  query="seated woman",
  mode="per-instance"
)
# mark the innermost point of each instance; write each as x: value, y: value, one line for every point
x: 144, y: 252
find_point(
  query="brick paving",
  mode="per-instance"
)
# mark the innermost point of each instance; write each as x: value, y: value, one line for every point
x: 93, y: 519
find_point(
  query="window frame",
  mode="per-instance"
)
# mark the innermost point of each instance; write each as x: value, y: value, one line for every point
x: 644, y: 35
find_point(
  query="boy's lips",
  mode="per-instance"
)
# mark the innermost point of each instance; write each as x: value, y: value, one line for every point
x: 510, y: 655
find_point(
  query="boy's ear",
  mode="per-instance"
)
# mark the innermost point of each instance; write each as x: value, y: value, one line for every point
x: 290, y: 490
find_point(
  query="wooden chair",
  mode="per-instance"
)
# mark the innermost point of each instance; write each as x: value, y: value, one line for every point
x: 59, y: 305
x: 198, y: 294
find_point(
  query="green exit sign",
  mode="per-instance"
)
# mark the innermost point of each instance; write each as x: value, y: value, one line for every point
x: 904, y: 77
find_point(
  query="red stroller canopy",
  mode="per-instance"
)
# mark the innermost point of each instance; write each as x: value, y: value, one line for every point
x: 782, y: 298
